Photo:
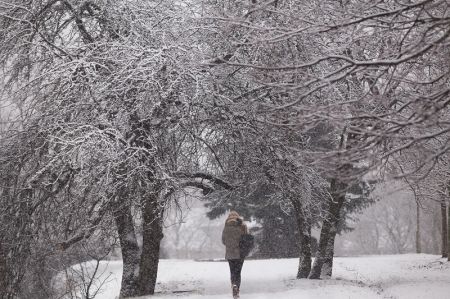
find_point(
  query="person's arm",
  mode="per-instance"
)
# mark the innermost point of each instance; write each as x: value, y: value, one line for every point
x: 245, y: 229
x: 223, y: 236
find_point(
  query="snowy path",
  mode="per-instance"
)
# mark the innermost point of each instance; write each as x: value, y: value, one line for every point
x: 370, y: 277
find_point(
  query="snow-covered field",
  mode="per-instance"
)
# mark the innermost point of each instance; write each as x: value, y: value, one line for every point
x: 411, y: 276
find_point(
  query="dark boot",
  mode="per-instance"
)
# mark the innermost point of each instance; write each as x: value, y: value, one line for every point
x: 235, y: 292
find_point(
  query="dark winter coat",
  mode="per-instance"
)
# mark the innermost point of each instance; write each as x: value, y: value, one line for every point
x: 231, y: 235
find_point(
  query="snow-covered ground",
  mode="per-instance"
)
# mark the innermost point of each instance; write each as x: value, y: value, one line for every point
x: 411, y: 276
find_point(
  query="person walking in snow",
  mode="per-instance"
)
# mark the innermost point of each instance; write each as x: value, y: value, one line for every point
x: 231, y: 236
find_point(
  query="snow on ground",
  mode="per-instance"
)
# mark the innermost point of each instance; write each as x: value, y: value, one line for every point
x: 371, y: 277
x: 399, y: 276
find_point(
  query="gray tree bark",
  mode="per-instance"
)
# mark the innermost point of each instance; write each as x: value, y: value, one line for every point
x: 152, y: 235
x: 130, y: 251
x: 444, y: 228
x: 448, y: 234
x: 418, y: 244
x: 328, y: 232
x: 327, y: 267
x: 3, y: 272
x: 435, y: 231
x: 304, y: 229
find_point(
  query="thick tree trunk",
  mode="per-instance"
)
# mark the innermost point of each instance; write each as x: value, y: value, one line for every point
x: 130, y: 251
x: 304, y: 229
x: 418, y: 245
x: 329, y: 230
x: 152, y: 235
x: 444, y: 228
x: 321, y: 251
x: 327, y: 267
x: 305, y: 261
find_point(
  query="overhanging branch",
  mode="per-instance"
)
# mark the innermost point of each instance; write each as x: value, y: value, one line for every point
x: 205, y: 176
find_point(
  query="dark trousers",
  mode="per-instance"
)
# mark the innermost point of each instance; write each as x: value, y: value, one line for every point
x: 235, y: 271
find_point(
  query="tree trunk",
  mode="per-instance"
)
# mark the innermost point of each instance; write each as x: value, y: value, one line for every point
x: 152, y: 235
x: 435, y: 232
x: 130, y: 251
x: 418, y: 245
x: 329, y: 230
x: 304, y: 229
x: 448, y: 233
x: 444, y: 228
x: 327, y: 267
x: 3, y: 273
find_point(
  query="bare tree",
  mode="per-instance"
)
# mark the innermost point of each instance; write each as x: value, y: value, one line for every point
x: 376, y: 69
x: 121, y: 103
x: 107, y: 90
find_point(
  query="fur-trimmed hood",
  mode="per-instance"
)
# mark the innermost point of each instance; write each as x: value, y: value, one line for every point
x: 234, y: 219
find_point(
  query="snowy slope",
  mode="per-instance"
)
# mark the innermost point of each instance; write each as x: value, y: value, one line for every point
x: 395, y: 276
